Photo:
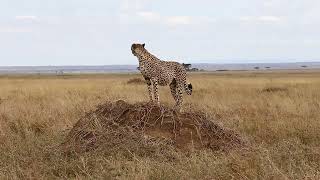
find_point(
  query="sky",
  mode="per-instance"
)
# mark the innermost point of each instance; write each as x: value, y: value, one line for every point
x: 100, y: 32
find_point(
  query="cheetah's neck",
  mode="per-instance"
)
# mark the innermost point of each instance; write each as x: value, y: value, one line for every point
x: 146, y: 56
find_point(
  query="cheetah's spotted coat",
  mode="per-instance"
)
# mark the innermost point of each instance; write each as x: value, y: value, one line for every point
x: 163, y: 73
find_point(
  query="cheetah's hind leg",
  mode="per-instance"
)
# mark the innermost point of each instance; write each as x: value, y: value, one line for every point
x: 179, y: 94
x: 173, y: 88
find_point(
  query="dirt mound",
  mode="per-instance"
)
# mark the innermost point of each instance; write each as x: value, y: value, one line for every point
x: 146, y: 128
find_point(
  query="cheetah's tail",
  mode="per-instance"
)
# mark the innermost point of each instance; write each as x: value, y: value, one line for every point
x: 188, y: 88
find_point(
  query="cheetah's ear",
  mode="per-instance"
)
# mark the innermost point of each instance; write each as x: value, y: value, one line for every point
x: 143, y: 44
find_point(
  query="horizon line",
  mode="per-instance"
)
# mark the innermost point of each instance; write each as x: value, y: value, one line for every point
x: 318, y: 61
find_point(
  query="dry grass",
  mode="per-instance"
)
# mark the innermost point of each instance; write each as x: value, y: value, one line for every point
x: 282, y: 125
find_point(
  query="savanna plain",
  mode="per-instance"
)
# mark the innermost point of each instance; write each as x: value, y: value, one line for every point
x: 277, y: 112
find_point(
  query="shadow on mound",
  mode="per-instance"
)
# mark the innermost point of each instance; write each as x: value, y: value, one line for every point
x: 147, y: 129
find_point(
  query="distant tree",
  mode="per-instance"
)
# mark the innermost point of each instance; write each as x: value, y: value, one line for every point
x: 304, y: 66
x: 187, y: 66
x: 267, y: 67
x: 138, y: 68
x: 257, y: 67
x: 60, y: 72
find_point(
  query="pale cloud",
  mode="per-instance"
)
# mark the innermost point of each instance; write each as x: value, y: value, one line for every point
x: 132, y: 5
x: 268, y: 3
x: 246, y: 18
x: 135, y: 11
x: 8, y: 29
x: 26, y: 18
x: 154, y: 17
x: 179, y: 20
x: 150, y: 16
x: 269, y: 19
x: 261, y: 19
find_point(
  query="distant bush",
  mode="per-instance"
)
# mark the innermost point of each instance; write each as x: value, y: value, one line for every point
x: 274, y: 89
x: 136, y: 81
x: 194, y: 69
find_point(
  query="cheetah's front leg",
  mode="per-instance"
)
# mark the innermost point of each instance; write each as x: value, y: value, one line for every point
x: 150, y: 89
x: 156, y: 91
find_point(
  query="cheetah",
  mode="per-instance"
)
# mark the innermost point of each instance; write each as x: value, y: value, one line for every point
x: 157, y: 72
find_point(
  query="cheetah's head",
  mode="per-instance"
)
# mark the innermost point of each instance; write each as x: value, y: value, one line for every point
x: 137, y: 49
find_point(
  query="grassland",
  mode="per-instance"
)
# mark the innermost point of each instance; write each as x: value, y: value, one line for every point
x: 278, y: 112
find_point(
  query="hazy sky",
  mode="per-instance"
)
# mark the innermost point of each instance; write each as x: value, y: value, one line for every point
x: 98, y: 32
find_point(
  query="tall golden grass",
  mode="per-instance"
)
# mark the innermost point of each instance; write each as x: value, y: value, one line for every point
x: 278, y: 112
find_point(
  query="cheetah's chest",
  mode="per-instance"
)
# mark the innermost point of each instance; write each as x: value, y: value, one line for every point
x: 144, y: 70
